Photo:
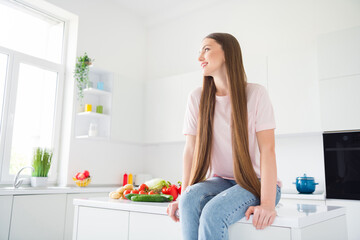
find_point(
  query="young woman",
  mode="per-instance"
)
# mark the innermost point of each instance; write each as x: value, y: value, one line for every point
x: 229, y: 168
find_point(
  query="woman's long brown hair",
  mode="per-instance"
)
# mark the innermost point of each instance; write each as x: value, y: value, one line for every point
x: 244, y: 172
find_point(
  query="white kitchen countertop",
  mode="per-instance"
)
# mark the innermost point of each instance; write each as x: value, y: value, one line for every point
x: 295, y: 195
x: 54, y: 190
x: 292, y: 193
x: 289, y: 215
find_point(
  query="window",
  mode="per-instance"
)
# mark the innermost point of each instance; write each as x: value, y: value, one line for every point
x: 31, y: 32
x: 34, y: 114
x: 31, y: 83
x: 3, y: 67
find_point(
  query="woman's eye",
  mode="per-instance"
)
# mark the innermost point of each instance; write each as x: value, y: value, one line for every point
x: 207, y: 49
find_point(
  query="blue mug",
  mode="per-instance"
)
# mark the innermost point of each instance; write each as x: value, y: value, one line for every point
x: 100, y: 85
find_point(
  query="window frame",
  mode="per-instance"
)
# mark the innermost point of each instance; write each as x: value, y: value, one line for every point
x: 11, y: 82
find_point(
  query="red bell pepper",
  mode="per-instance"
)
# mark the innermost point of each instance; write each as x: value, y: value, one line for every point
x: 179, y: 188
x: 172, y: 190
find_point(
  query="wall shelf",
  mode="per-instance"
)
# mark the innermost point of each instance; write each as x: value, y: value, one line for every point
x: 93, y: 115
x: 95, y: 97
x: 92, y: 138
x: 95, y: 91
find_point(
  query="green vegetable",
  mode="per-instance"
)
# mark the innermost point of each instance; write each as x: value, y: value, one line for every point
x: 152, y: 198
x: 128, y: 196
x: 156, y: 184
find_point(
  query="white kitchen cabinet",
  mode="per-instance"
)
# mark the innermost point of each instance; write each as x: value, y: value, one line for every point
x: 69, y: 221
x: 352, y: 215
x: 38, y: 217
x: 5, y: 215
x: 339, y: 53
x: 165, y: 104
x: 256, y: 68
x: 150, y: 221
x: 152, y: 226
x: 339, y: 76
x: 95, y: 223
x: 294, y: 91
x: 340, y: 100
x: 247, y: 231
x: 352, y: 212
x: 96, y: 97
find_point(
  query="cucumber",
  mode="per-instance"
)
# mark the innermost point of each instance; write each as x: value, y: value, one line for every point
x: 128, y: 196
x: 152, y: 198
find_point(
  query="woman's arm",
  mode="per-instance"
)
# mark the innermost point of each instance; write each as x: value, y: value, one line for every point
x: 265, y: 214
x: 266, y: 141
x: 187, y: 160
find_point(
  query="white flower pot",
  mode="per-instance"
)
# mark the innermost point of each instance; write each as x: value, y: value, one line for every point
x: 39, y: 181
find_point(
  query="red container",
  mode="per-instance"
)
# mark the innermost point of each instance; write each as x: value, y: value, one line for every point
x: 125, y: 179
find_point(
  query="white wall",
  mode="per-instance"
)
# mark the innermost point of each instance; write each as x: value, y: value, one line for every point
x: 158, y: 66
x: 116, y: 39
x: 279, y: 41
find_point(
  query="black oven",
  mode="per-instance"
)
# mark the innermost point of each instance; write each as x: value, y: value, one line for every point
x: 342, y: 164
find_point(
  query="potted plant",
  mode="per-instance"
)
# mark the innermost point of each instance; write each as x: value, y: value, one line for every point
x: 41, y: 164
x: 81, y: 74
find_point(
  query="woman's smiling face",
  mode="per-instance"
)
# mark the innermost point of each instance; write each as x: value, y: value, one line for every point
x: 211, y: 57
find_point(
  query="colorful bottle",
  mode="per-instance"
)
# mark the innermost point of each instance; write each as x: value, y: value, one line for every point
x: 130, y: 179
x: 125, y: 179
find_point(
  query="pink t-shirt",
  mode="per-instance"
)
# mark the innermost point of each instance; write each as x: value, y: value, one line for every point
x: 260, y: 117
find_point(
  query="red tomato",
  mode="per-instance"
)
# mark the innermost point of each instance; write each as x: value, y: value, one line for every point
x: 152, y: 192
x: 77, y: 175
x: 134, y: 191
x: 127, y: 192
x: 143, y: 187
x: 86, y: 173
x: 142, y: 192
x: 81, y: 176
x: 165, y: 190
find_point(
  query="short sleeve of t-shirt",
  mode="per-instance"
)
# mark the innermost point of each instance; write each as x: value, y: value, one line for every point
x: 265, y: 118
x: 192, y: 112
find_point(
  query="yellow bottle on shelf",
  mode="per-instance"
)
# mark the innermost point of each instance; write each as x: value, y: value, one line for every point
x: 130, y: 179
x: 87, y: 107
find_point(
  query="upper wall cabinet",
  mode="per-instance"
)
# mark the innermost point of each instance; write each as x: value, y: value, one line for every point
x: 339, y: 54
x: 93, y: 119
x: 165, y: 104
x: 294, y: 92
x: 339, y: 76
x: 256, y: 68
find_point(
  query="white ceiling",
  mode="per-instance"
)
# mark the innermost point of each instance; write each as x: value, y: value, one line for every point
x: 153, y: 11
x: 146, y: 8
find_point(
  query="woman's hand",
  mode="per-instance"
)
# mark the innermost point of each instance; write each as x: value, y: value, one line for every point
x: 263, y: 215
x: 171, y: 209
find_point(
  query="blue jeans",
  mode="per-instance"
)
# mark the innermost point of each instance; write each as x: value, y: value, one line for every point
x: 208, y: 208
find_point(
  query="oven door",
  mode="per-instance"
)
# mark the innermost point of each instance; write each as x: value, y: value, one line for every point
x: 342, y: 165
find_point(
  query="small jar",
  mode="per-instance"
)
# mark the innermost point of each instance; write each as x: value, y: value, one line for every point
x: 88, y: 107
x: 99, y: 109
x: 93, y: 131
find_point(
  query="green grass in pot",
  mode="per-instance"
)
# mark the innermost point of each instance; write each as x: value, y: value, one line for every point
x: 41, y: 162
